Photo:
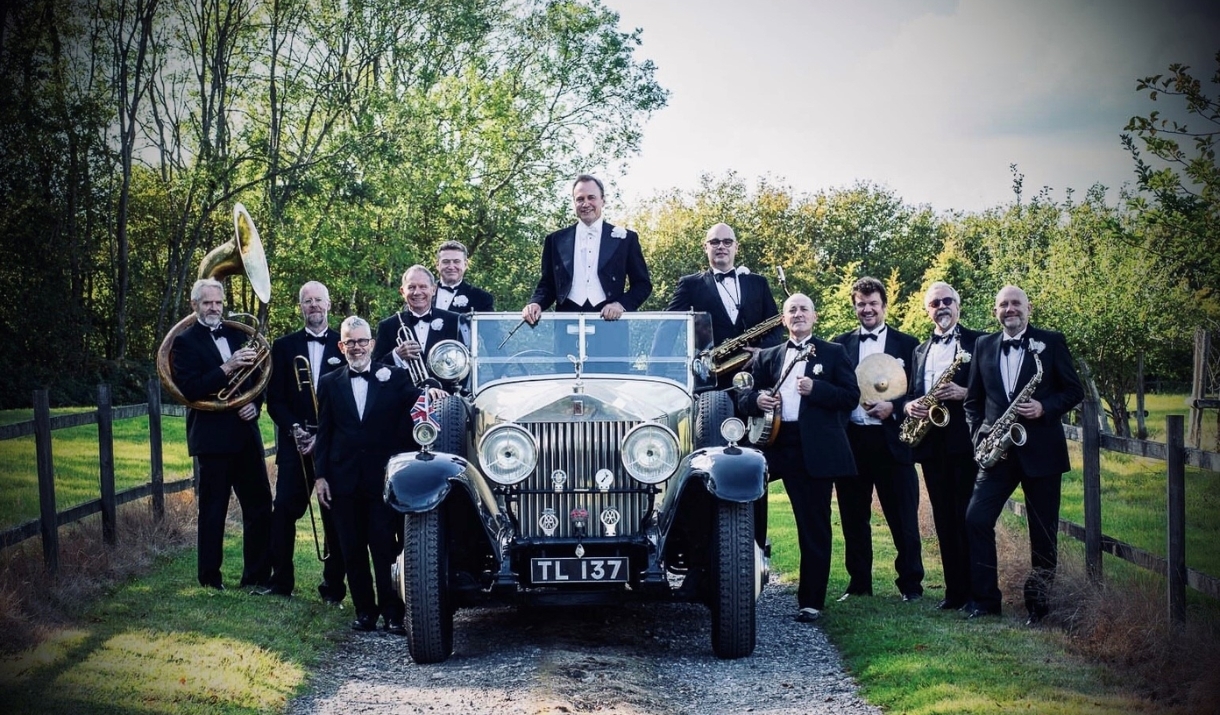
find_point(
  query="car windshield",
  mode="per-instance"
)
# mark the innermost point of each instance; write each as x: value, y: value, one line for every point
x: 638, y: 344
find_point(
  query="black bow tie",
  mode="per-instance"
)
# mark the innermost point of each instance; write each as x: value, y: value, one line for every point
x: 310, y: 338
x: 721, y: 276
x: 413, y: 321
x: 946, y: 338
x: 868, y: 336
x: 1012, y: 344
x: 451, y: 289
x: 798, y: 346
x: 366, y: 375
x: 217, y: 332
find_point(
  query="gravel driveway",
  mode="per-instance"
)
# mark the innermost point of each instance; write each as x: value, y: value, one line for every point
x: 634, y: 659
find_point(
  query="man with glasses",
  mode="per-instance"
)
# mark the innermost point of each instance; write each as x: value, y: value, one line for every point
x: 735, y: 299
x: 291, y: 404
x: 363, y: 420
x: 419, y: 327
x: 945, y: 454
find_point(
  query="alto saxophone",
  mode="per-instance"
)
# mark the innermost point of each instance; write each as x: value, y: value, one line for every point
x: 914, y: 430
x: 731, y: 354
x: 1007, y: 431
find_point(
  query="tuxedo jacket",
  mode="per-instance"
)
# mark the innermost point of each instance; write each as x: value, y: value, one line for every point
x: 350, y: 452
x: 196, y: 362
x: 899, y: 345
x: 619, y: 261
x: 477, y: 299
x: 1045, y: 451
x: 954, y: 437
x: 387, y: 334
x: 285, y: 403
x: 700, y: 292
x: 824, y: 411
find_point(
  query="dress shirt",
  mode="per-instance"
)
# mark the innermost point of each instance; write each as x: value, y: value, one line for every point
x: 420, y: 331
x: 445, y: 295
x: 729, y: 289
x: 938, y: 359
x: 316, y: 345
x: 1010, y: 364
x: 222, y: 344
x: 868, y: 347
x: 586, y: 286
x: 360, y: 391
x: 790, y: 408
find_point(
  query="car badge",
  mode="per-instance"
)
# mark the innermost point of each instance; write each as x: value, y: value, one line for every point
x: 578, y: 408
x: 580, y: 551
x: 610, y: 518
x: 559, y: 478
x: 548, y: 522
x: 579, y: 517
x: 604, y: 479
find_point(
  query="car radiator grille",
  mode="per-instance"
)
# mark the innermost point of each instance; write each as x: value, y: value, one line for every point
x: 580, y: 449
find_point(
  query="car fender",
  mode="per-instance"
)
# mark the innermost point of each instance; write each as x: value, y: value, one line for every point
x: 419, y: 481
x: 734, y: 474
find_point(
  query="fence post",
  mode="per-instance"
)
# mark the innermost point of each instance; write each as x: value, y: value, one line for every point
x: 105, y: 459
x: 156, y: 464
x: 1175, y: 458
x: 1198, y: 386
x: 1091, y: 449
x: 46, y: 480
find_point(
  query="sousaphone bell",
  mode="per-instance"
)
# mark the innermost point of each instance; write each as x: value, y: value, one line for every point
x: 241, y: 255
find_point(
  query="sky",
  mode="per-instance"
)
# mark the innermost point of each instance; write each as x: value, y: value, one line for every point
x: 934, y: 99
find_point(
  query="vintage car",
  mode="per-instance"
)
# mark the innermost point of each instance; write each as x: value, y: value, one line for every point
x: 585, y: 462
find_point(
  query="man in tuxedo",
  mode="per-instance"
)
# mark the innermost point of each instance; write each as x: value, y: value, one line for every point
x: 735, y: 299
x: 588, y: 266
x: 291, y: 404
x: 362, y: 422
x: 811, y: 449
x: 1004, y: 363
x: 453, y: 293
x: 882, y: 460
x: 419, y: 326
x: 227, y: 442
x: 945, y: 454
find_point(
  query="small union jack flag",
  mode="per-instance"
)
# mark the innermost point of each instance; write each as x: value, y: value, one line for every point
x: 422, y: 409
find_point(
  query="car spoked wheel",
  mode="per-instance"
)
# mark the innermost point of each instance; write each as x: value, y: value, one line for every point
x: 736, y: 580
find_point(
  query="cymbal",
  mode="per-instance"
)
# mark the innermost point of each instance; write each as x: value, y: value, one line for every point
x: 881, y: 377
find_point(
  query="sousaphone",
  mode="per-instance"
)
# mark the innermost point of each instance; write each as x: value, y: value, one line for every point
x: 241, y: 255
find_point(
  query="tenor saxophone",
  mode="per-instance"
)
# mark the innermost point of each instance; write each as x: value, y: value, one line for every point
x: 914, y: 430
x: 1007, y: 431
x: 731, y: 354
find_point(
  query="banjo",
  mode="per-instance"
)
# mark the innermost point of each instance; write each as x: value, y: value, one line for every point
x: 764, y: 429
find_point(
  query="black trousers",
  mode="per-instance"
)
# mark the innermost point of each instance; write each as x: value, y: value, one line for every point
x: 897, y: 488
x: 949, y: 479
x: 992, y: 489
x: 366, y: 527
x: 292, y: 496
x: 245, y: 473
x: 810, y: 500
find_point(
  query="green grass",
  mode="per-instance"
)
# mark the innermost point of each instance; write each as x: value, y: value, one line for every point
x: 74, y: 452
x: 162, y: 644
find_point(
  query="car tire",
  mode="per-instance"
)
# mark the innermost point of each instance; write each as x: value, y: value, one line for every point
x: 734, y: 605
x: 713, y: 409
x: 450, y: 414
x: 425, y: 582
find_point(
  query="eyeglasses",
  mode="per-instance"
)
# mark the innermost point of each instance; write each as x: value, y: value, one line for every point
x: 946, y: 301
x: 351, y: 343
x: 720, y: 242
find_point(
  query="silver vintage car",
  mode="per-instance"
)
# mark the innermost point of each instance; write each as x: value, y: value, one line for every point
x: 584, y: 462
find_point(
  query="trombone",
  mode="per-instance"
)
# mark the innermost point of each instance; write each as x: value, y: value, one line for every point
x: 304, y: 375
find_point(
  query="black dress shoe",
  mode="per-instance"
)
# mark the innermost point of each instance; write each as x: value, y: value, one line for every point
x: 395, y: 627
x: 808, y: 615
x: 911, y: 597
x: 273, y: 591
x: 976, y: 613
x: 950, y: 605
x: 365, y: 624
x: 854, y: 592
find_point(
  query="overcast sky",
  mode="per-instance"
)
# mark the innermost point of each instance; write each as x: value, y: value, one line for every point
x: 932, y: 98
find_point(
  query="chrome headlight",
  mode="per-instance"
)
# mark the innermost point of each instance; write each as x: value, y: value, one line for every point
x: 732, y: 430
x: 449, y: 360
x: 508, y: 454
x: 425, y: 433
x: 650, y: 453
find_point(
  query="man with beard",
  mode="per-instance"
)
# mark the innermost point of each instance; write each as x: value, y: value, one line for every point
x: 293, y: 408
x: 1002, y: 367
x: 227, y: 442
x: 363, y: 420
x: 882, y: 460
x: 945, y: 454
x: 810, y: 450
x: 419, y: 327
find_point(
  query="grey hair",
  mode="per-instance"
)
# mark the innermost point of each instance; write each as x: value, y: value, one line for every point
x: 941, y: 284
x: 418, y: 267
x: 452, y: 246
x: 589, y: 177
x: 796, y: 296
x: 197, y: 288
x: 313, y: 284
x: 352, y: 322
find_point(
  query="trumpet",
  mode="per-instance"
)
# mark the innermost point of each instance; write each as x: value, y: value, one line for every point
x: 262, y: 355
x: 305, y: 382
x: 416, y: 367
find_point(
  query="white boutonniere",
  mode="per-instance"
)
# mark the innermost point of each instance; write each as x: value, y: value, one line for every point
x: 618, y: 232
x: 743, y: 270
x: 383, y: 374
x: 817, y: 369
x: 461, y: 301
x: 1036, y: 346
x: 900, y: 362
x: 436, y: 324
x: 333, y: 361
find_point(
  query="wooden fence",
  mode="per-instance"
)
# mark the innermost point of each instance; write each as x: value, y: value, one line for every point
x: 43, y: 424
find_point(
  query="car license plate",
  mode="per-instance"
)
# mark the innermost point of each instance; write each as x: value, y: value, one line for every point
x: 605, y: 569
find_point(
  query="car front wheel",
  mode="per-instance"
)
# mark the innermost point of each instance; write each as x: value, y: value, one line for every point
x: 733, y: 607
x: 424, y: 581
